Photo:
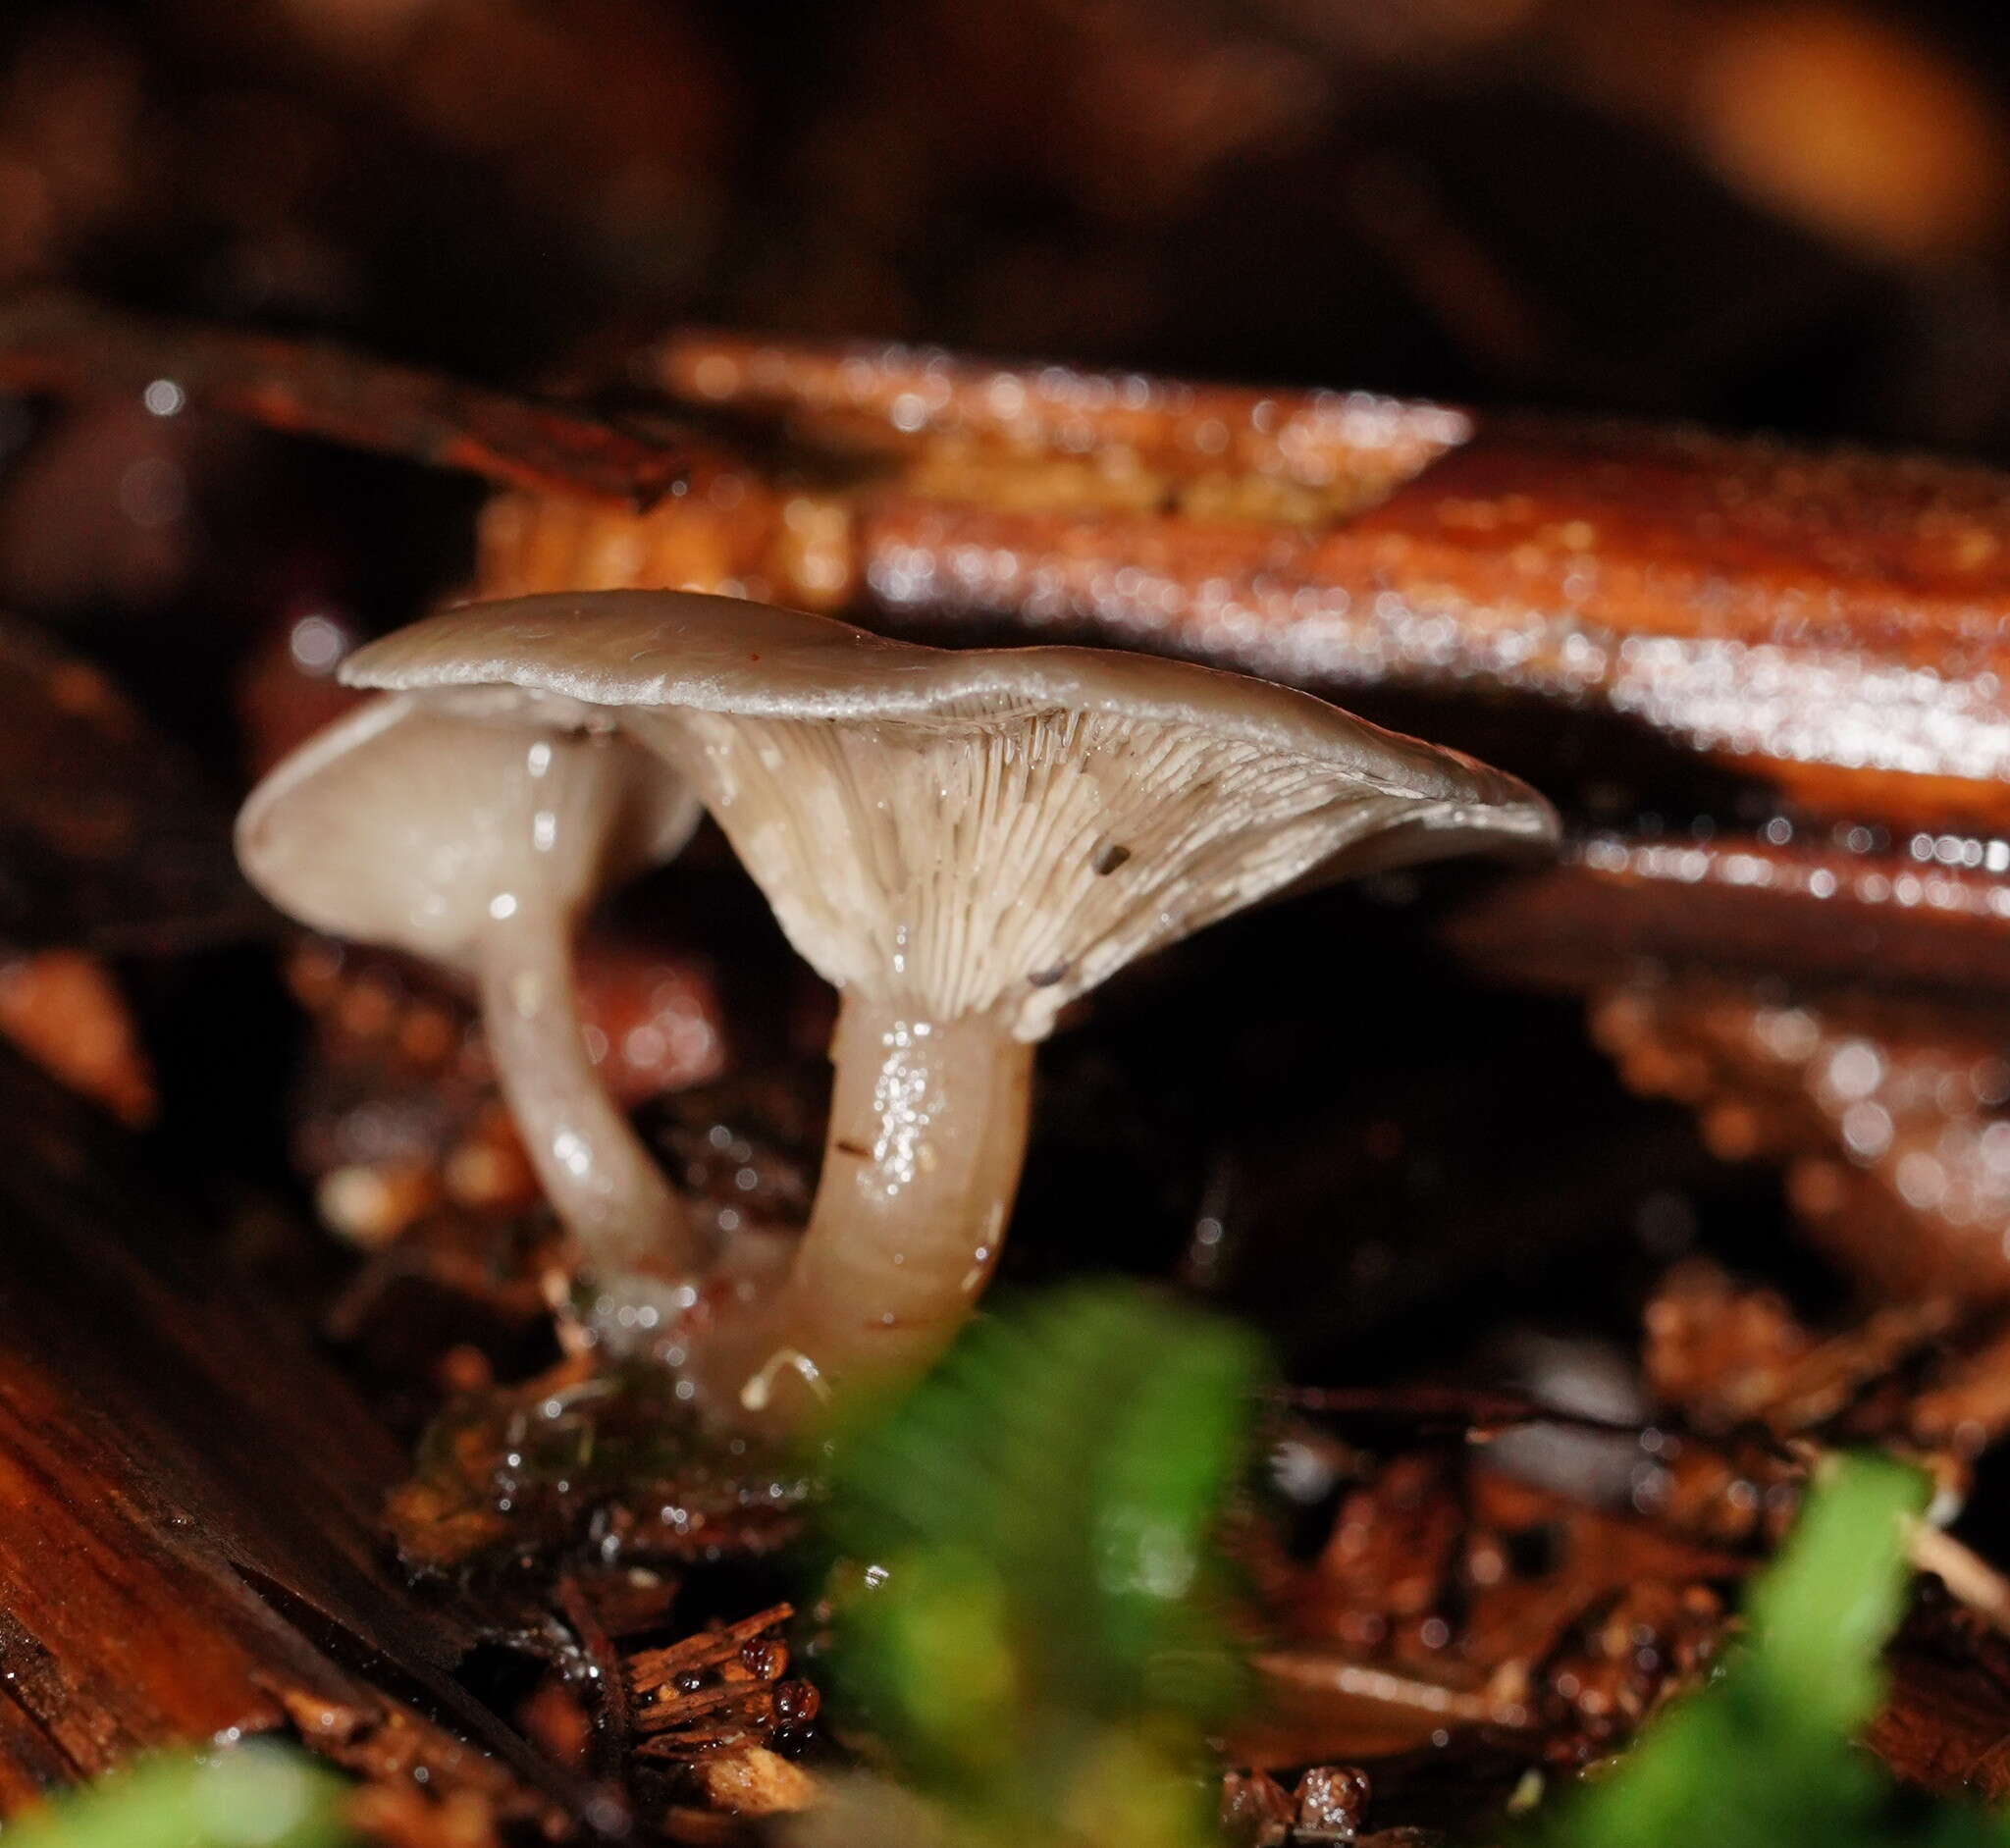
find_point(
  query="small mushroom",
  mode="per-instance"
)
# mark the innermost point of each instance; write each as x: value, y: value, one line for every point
x: 473, y: 828
x: 962, y: 842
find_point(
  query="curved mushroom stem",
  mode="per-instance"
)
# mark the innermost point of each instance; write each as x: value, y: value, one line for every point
x: 613, y: 1199
x: 920, y: 1163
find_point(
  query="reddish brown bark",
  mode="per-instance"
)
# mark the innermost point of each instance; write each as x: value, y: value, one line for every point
x: 190, y: 1542
x: 313, y: 388
x: 1826, y: 622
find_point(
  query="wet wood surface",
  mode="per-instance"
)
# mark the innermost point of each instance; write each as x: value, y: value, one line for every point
x: 63, y: 345
x: 1830, y: 622
x: 190, y: 1545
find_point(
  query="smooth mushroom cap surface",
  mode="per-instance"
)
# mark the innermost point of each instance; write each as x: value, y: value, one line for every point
x: 404, y: 823
x: 1018, y: 823
x: 472, y: 828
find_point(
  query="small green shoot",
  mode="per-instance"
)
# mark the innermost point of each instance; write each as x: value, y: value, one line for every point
x: 1764, y: 1757
x: 1031, y: 1610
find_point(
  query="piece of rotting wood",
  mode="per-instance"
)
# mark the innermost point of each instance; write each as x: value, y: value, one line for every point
x: 1824, y: 625
x: 66, y: 347
x: 1827, y: 624
x: 190, y: 1497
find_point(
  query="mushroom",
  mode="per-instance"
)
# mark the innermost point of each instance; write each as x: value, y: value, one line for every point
x: 962, y: 842
x: 472, y: 829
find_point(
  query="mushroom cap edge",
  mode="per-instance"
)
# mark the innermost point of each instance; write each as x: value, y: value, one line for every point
x: 725, y: 655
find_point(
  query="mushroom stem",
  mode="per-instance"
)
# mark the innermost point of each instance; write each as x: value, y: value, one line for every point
x: 920, y: 1163
x: 627, y: 1221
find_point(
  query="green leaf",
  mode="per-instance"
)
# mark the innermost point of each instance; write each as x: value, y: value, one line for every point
x: 250, y: 1796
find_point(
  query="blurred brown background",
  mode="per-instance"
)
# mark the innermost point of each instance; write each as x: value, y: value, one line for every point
x: 1762, y: 212
x: 1787, y: 211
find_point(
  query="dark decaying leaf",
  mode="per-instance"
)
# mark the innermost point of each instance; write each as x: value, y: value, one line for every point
x: 526, y: 1473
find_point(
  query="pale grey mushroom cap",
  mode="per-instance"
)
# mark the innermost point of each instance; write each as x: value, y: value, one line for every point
x: 976, y: 830
x: 408, y: 822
